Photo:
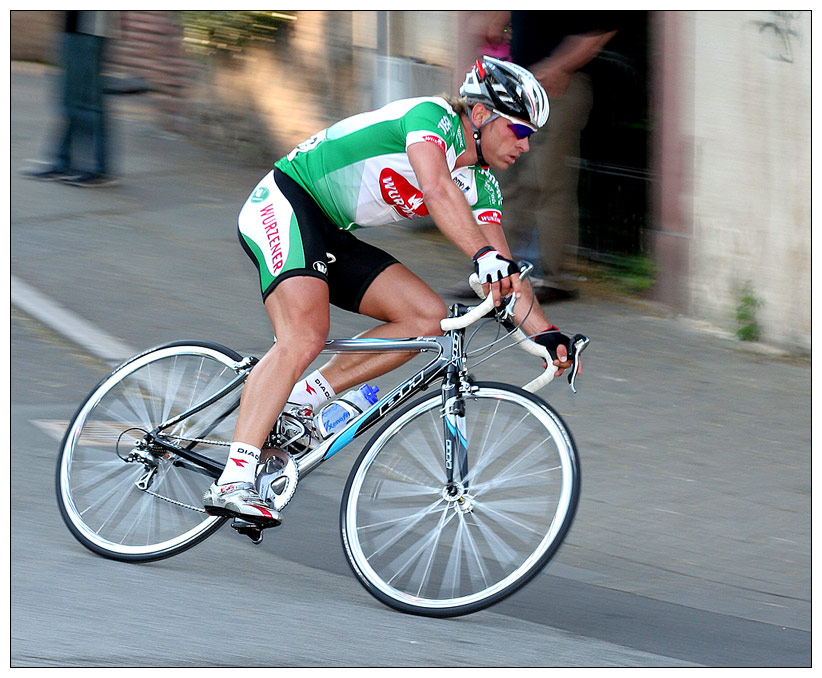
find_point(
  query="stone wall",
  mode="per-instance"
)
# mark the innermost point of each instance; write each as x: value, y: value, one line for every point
x: 149, y: 45
x: 321, y: 68
x: 146, y: 47
x: 261, y: 102
x: 747, y: 200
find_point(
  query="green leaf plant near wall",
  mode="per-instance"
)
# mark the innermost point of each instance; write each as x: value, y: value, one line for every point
x: 748, y: 328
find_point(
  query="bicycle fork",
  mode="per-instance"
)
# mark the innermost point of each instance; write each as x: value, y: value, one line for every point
x: 455, y: 441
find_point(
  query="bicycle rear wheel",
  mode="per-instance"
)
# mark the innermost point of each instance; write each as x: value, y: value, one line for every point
x: 419, y: 546
x: 129, y: 500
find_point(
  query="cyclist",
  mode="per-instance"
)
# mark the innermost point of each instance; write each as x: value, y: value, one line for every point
x: 413, y: 157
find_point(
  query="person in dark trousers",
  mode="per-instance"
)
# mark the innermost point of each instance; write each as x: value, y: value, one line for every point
x: 81, y: 157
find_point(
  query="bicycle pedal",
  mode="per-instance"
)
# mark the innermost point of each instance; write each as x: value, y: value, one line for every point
x: 249, y: 529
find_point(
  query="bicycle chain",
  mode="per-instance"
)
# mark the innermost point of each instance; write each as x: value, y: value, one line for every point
x: 205, y: 441
x: 199, y: 509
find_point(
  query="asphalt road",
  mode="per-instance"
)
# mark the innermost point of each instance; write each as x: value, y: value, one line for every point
x: 692, y: 543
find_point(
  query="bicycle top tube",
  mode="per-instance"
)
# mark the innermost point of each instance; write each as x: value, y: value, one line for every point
x: 375, y: 345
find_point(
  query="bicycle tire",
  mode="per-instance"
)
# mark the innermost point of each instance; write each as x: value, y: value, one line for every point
x: 96, y: 484
x: 414, y: 549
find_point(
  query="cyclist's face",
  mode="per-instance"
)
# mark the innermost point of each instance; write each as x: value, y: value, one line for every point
x: 503, y: 141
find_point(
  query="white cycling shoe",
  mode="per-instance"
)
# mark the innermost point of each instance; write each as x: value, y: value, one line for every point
x: 240, y: 500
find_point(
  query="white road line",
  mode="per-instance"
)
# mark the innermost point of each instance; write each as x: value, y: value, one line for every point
x: 69, y: 324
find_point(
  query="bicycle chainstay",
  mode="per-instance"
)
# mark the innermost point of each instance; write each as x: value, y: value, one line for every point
x: 205, y: 441
x: 202, y: 441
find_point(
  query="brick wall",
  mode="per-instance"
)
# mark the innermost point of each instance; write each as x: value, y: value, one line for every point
x: 149, y: 45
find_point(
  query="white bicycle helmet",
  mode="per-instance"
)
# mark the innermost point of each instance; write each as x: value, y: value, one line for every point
x: 508, y: 89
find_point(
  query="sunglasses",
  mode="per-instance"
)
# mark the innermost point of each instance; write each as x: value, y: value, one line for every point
x: 520, y: 131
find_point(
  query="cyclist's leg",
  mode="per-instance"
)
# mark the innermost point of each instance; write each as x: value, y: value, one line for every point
x: 284, y: 232
x: 298, y: 310
x: 407, y: 306
x: 279, y: 228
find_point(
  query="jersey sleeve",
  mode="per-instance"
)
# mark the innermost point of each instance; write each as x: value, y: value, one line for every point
x: 429, y: 122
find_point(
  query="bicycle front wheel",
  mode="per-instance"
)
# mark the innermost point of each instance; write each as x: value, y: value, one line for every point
x: 425, y: 547
x: 125, y: 498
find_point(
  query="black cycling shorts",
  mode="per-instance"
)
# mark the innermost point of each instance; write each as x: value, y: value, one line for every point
x: 286, y: 234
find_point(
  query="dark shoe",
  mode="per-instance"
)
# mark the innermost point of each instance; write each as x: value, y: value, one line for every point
x: 47, y: 174
x: 90, y: 180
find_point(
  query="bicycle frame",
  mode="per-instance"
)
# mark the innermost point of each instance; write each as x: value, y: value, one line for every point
x: 447, y: 364
x: 449, y: 353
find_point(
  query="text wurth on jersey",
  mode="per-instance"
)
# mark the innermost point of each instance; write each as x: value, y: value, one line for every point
x: 490, y: 217
x: 398, y: 192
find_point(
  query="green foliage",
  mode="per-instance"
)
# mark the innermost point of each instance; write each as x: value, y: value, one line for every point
x: 207, y: 32
x: 748, y: 328
x: 633, y: 274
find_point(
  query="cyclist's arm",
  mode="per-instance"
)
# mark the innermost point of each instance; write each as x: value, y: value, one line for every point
x: 527, y: 309
x: 447, y: 206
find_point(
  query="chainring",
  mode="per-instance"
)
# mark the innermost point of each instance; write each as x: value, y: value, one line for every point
x: 277, y: 481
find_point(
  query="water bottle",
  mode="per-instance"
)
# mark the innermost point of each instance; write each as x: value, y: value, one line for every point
x: 336, y: 414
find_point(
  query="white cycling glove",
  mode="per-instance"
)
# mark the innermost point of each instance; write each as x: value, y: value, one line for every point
x: 490, y: 266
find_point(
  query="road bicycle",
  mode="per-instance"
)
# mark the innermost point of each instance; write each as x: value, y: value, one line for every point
x: 461, y: 496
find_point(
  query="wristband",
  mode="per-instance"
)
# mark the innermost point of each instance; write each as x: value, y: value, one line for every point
x: 481, y: 251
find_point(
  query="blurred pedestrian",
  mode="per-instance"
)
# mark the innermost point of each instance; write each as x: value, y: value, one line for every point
x: 81, y: 153
x: 541, y: 190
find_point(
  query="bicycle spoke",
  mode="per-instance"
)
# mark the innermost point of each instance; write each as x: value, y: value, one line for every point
x: 488, y: 532
x: 96, y: 486
x: 105, y: 471
x: 121, y: 491
x: 408, y: 556
x: 404, y: 486
x: 501, y: 551
x: 388, y: 539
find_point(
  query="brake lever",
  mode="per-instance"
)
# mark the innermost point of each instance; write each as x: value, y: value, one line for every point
x: 578, y: 344
x: 506, y: 312
x: 506, y: 308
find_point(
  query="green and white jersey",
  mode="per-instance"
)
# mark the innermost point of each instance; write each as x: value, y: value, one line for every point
x: 358, y: 170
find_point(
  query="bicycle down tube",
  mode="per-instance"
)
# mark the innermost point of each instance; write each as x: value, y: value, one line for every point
x: 399, y: 395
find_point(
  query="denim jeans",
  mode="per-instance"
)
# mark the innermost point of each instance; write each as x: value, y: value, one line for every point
x: 82, y: 145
